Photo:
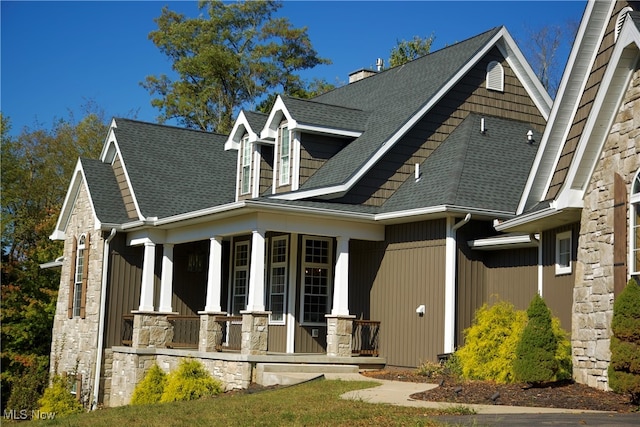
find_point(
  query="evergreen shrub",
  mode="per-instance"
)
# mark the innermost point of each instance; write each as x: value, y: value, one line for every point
x: 58, y: 397
x: 27, y: 388
x: 150, y: 389
x: 189, y: 382
x: 535, y: 360
x: 624, y: 369
x: 490, y: 343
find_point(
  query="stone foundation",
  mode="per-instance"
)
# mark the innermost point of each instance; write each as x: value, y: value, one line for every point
x: 339, y: 335
x: 151, y: 330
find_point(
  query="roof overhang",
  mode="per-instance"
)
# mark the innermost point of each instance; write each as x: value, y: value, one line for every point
x: 240, y: 127
x: 512, y: 241
x: 52, y: 264
x: 441, y: 211
x: 543, y: 219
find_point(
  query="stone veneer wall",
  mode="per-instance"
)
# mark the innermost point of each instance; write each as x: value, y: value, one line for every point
x: 74, y: 342
x: 593, y: 292
x: 131, y: 365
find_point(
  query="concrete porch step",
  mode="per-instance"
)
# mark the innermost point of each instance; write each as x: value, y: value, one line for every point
x: 268, y: 374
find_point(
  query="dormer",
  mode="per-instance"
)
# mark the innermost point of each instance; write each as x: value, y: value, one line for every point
x: 305, y: 134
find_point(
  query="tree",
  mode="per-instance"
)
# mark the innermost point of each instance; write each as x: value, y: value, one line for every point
x: 543, y: 47
x: 232, y: 55
x: 535, y: 360
x: 36, y: 167
x: 624, y: 369
x: 408, y: 50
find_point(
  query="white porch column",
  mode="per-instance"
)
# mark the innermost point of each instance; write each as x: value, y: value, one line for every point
x: 166, y: 280
x: 214, y: 279
x: 341, y: 285
x: 255, y: 300
x: 148, y: 265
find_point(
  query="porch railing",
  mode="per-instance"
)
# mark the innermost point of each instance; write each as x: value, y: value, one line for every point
x: 186, y: 331
x: 127, y: 330
x: 231, y: 332
x: 365, y: 337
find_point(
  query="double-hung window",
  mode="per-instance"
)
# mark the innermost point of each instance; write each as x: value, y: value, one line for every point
x: 285, y: 155
x: 246, y: 166
x: 240, y: 277
x: 278, y: 278
x: 563, y: 253
x: 634, y: 240
x: 316, y: 279
x: 79, y: 275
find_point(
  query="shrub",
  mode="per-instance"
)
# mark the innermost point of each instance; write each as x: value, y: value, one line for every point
x: 150, y: 389
x: 536, y: 351
x: 430, y: 369
x: 490, y: 342
x: 190, y: 381
x: 624, y: 369
x: 563, y: 352
x: 58, y: 397
x: 28, y: 387
x: 452, y: 366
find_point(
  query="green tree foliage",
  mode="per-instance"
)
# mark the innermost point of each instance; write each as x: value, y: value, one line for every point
x: 233, y: 54
x: 490, y: 343
x: 408, y: 50
x: 189, y: 382
x: 150, y: 389
x: 36, y: 168
x: 624, y: 369
x: 58, y: 398
x: 536, y: 351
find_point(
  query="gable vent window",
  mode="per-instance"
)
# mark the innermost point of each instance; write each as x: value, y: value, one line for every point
x: 495, y: 76
x: 620, y: 21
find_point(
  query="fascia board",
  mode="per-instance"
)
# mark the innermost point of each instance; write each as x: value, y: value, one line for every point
x: 610, y: 94
x: 441, y: 209
x: 338, y: 190
x: 271, y: 125
x: 106, y: 155
x: 524, y: 219
x: 326, y: 130
x: 503, y: 242
x: 309, y: 210
x: 240, y: 126
x: 565, y: 106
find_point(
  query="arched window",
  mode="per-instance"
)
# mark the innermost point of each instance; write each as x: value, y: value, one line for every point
x: 495, y: 76
x: 78, y: 277
x: 634, y: 223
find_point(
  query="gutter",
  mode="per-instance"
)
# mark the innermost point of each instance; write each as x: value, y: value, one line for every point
x: 103, y: 303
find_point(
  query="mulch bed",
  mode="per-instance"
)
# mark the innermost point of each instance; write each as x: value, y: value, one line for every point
x: 566, y: 394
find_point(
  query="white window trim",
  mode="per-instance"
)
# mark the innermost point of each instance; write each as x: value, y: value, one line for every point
x: 304, y: 264
x: 237, y: 268
x: 78, y: 276
x: 284, y: 175
x: 634, y: 207
x: 245, y: 162
x: 273, y: 265
x: 562, y: 269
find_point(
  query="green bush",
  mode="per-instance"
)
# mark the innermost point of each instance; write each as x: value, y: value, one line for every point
x: 189, y: 382
x: 430, y: 369
x: 624, y: 369
x: 28, y: 388
x: 453, y: 366
x: 536, y: 351
x: 150, y: 389
x: 58, y: 397
x: 490, y: 343
x: 563, y: 351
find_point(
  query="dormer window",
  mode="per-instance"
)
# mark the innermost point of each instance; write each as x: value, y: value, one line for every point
x: 245, y: 162
x: 495, y: 76
x: 285, y: 155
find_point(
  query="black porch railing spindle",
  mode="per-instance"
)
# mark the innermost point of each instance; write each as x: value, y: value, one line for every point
x: 365, y: 337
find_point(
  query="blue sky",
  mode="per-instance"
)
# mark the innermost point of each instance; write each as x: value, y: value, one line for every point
x: 57, y: 56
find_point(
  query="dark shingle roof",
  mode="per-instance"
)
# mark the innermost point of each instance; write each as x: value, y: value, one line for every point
x: 174, y: 170
x: 471, y: 169
x: 392, y: 97
x: 256, y: 120
x: 326, y: 115
x: 104, y: 191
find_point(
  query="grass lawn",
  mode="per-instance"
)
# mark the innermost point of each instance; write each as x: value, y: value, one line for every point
x: 316, y: 403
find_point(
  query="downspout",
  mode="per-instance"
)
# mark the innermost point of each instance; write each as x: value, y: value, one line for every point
x: 103, y: 303
x: 538, y: 241
x: 450, y: 282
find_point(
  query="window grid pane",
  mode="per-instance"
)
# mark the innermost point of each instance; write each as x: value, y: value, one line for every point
x: 278, y: 279
x: 316, y: 281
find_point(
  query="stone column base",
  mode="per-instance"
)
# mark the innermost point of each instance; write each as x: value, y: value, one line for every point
x: 210, y: 331
x: 339, y: 331
x: 151, y: 329
x: 255, y: 332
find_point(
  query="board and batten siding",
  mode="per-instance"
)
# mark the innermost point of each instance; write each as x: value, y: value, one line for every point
x: 468, y: 96
x: 121, y: 179
x: 390, y: 279
x: 586, y: 102
x: 557, y: 290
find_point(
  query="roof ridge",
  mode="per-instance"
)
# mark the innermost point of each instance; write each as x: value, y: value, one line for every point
x: 165, y: 126
x: 313, y: 101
